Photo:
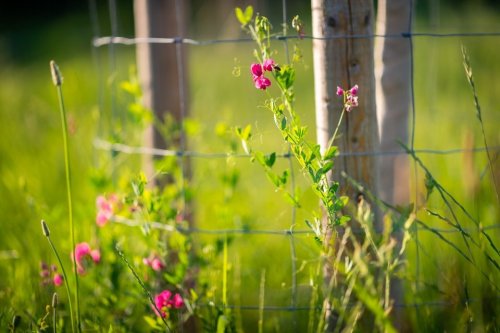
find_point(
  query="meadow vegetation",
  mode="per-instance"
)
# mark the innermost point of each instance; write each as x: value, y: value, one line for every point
x: 137, y: 275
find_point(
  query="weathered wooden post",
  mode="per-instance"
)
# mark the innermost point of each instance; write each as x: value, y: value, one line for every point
x: 343, y: 57
x: 342, y: 60
x: 392, y: 71
x: 161, y: 67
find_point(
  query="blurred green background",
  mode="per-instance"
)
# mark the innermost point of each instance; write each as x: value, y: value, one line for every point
x: 32, y: 165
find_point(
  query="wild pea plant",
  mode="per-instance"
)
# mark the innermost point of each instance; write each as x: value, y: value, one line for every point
x: 361, y: 263
x: 315, y: 163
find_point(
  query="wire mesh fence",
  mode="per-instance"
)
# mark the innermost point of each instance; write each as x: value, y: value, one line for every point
x: 110, y: 44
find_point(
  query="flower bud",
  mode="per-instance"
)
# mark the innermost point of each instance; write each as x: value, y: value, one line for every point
x: 45, y: 229
x: 56, y: 73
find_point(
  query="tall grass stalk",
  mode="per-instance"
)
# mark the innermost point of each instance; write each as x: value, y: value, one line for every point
x: 57, y: 79
x: 46, y: 233
x: 55, y: 302
x: 261, y: 299
x: 224, y: 274
x: 470, y: 79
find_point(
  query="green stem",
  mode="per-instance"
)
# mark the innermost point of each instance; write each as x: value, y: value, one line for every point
x: 70, y: 201
x: 336, y: 130
x: 66, y: 282
x: 54, y: 312
x: 143, y: 286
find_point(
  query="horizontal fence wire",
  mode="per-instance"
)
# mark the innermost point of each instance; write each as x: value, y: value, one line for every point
x: 249, y: 231
x: 140, y: 150
x: 107, y: 40
x: 277, y: 308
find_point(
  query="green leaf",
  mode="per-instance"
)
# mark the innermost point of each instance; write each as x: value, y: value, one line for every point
x: 344, y: 219
x: 152, y: 323
x: 222, y: 323
x: 244, y: 17
x: 248, y: 13
x: 270, y: 159
x: 330, y: 153
x: 285, y: 76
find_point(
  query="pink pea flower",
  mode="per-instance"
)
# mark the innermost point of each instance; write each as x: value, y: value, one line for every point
x: 178, y: 302
x: 354, y: 90
x: 262, y: 82
x: 256, y: 70
x: 340, y: 91
x: 84, y: 255
x: 58, y: 279
x: 350, y: 97
x: 105, y: 209
x: 164, y: 302
x: 154, y: 262
x: 268, y: 65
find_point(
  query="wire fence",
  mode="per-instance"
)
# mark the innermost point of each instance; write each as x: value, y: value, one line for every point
x: 114, y: 39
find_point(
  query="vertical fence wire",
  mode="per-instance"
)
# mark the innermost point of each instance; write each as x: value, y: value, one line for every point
x: 293, y: 253
x: 412, y: 148
x: 113, y: 16
x: 182, y: 103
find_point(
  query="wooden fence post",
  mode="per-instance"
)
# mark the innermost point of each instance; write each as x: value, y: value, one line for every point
x: 346, y: 61
x: 392, y: 71
x: 158, y: 64
x: 341, y: 60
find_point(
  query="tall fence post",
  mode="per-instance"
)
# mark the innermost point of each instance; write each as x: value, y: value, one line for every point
x: 392, y: 71
x: 342, y: 57
x: 158, y: 65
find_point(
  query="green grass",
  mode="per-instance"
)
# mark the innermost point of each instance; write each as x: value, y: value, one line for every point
x: 32, y: 182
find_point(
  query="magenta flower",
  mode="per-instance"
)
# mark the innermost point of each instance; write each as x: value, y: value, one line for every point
x: 178, y: 302
x: 261, y: 82
x: 354, y: 90
x: 58, y: 279
x: 164, y: 302
x: 340, y: 91
x: 350, y: 97
x: 256, y: 70
x: 154, y: 262
x: 84, y: 255
x: 268, y: 65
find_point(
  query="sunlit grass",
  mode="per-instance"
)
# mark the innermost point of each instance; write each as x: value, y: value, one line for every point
x: 32, y: 169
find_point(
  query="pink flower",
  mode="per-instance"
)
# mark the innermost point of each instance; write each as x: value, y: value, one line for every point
x: 261, y: 82
x: 340, y: 91
x: 352, y: 102
x: 178, y: 302
x: 256, y: 70
x: 83, y: 255
x: 164, y: 302
x: 105, y: 209
x: 354, y: 90
x: 350, y: 97
x: 154, y: 262
x: 58, y: 279
x: 268, y: 65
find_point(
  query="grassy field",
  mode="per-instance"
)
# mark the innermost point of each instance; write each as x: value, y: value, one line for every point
x: 32, y: 183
